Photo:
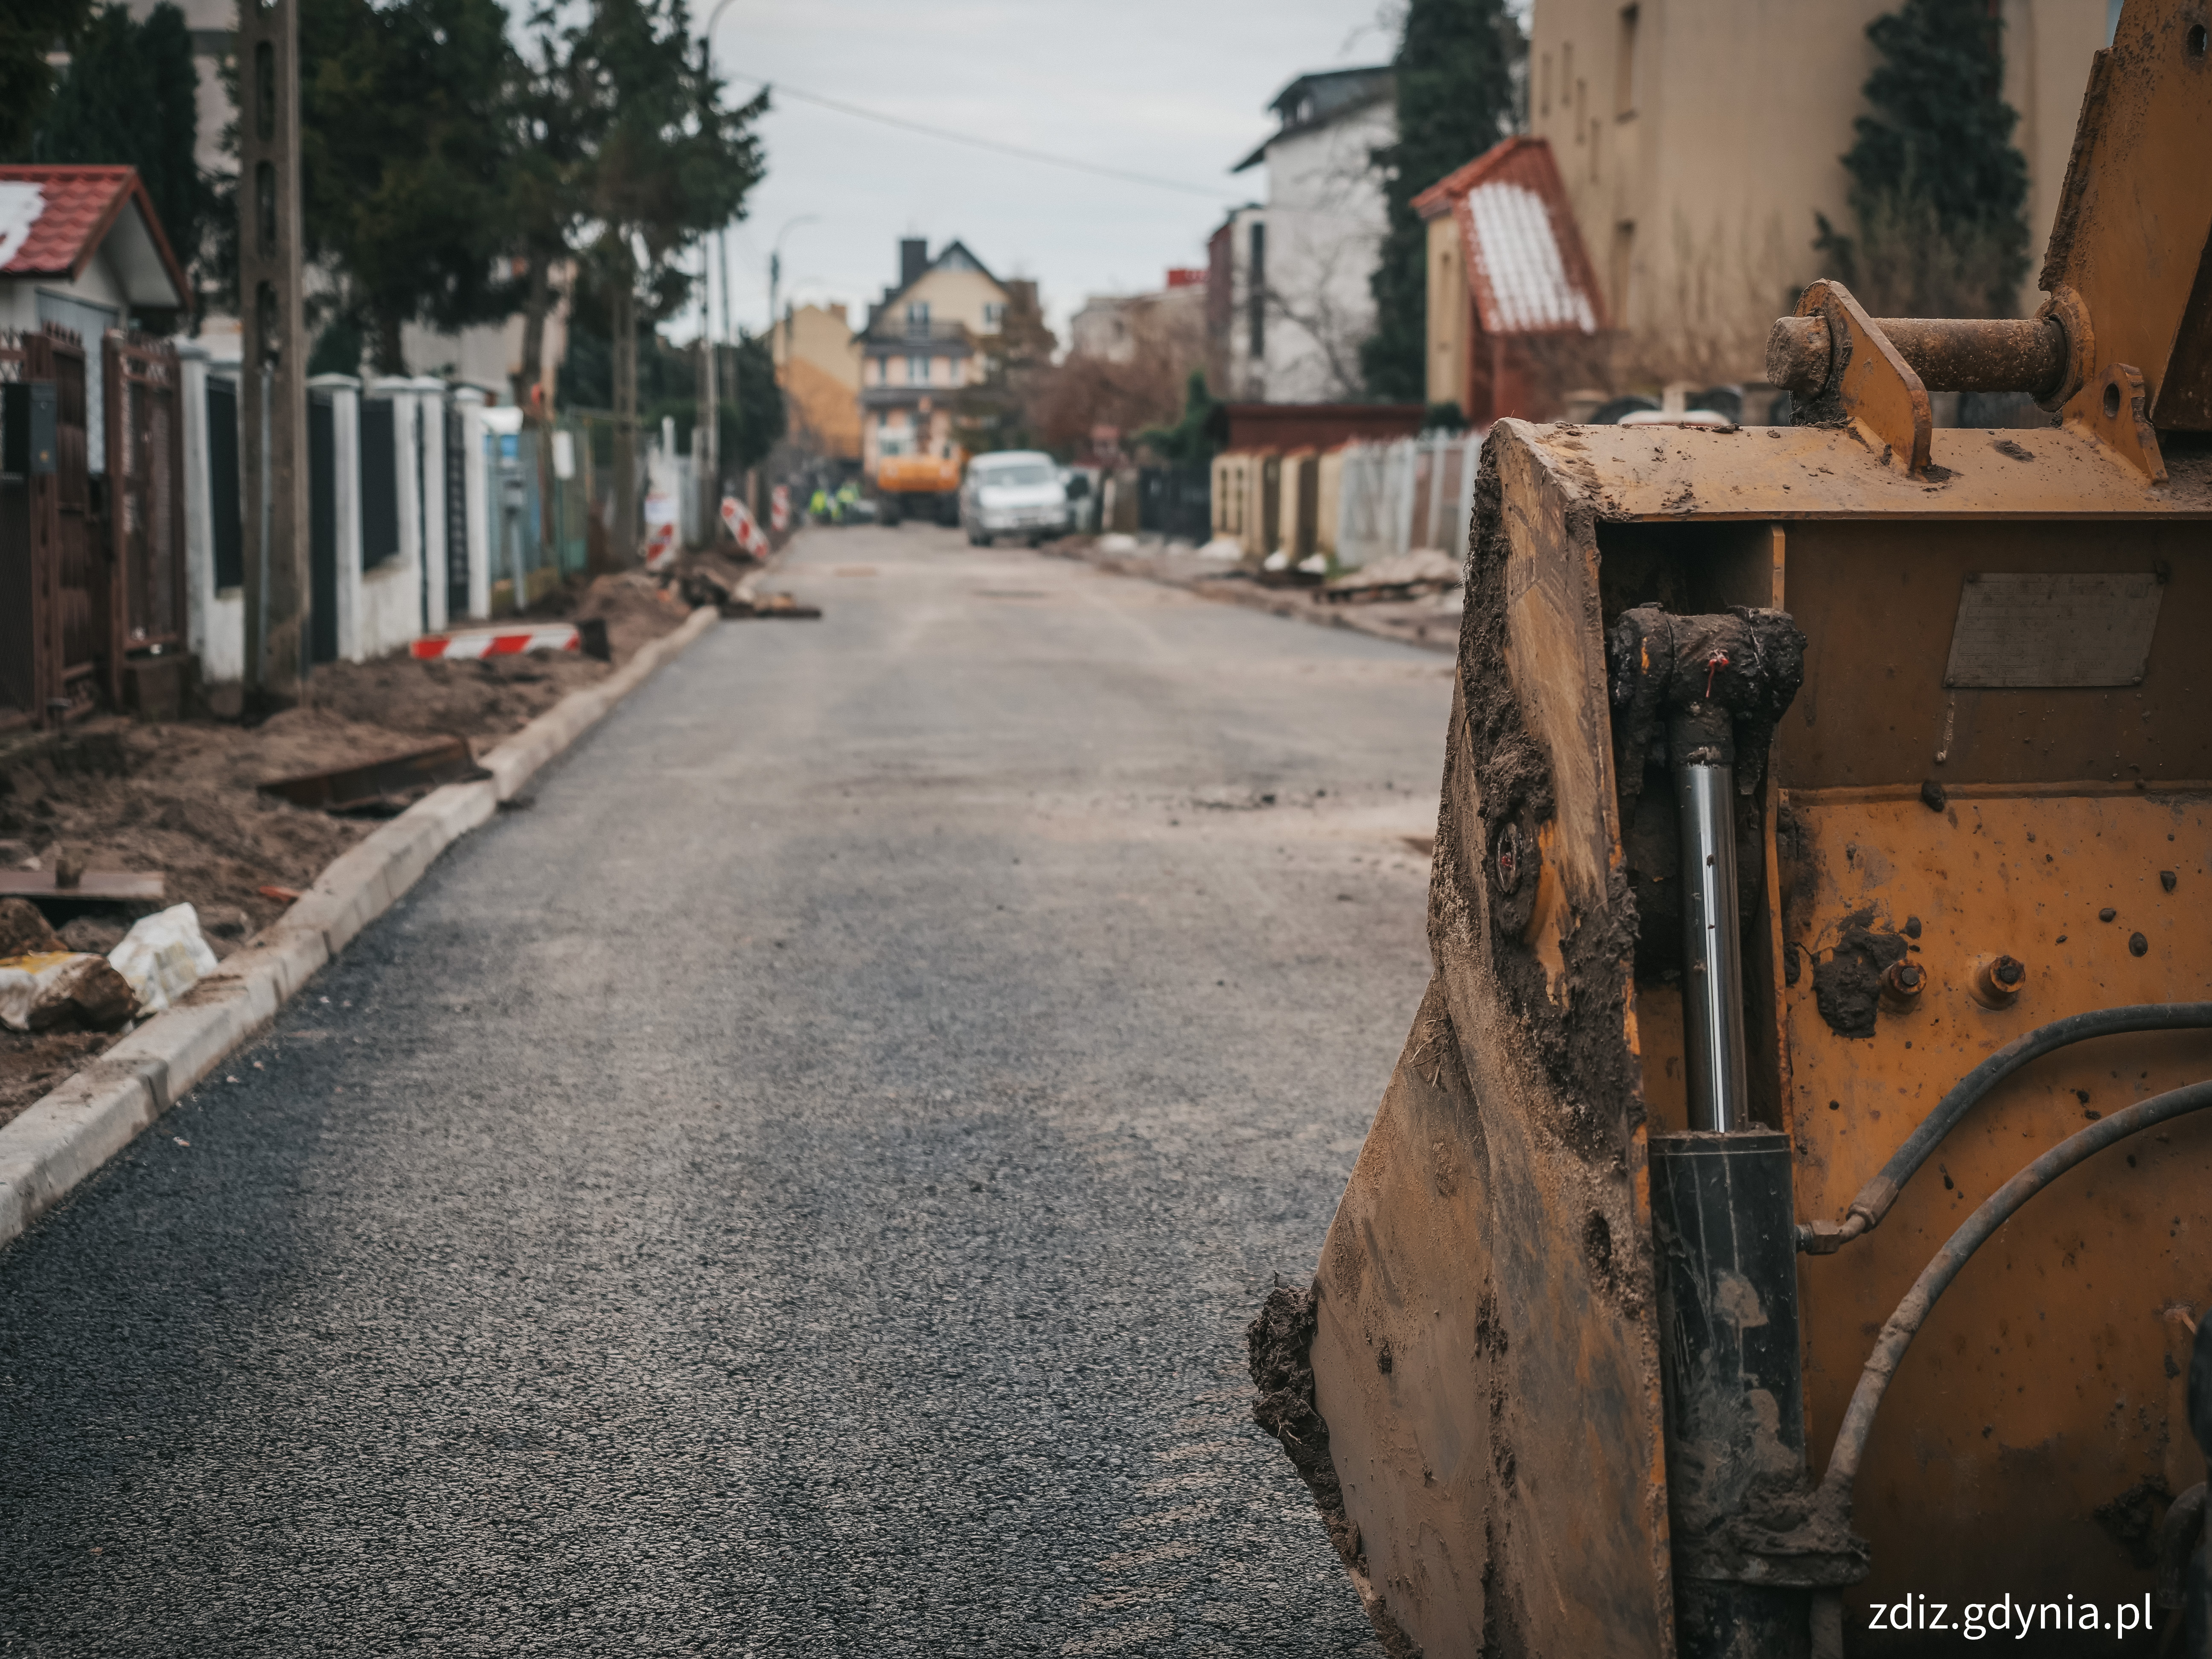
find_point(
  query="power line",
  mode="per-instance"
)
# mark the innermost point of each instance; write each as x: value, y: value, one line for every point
x: 789, y: 91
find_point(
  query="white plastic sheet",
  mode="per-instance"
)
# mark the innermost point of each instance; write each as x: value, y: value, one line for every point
x: 162, y: 956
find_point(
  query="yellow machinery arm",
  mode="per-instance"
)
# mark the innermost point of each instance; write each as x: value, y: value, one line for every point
x: 1793, y: 1196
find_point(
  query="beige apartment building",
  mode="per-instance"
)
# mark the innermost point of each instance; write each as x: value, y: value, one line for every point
x: 817, y: 364
x: 920, y: 347
x: 1697, y: 138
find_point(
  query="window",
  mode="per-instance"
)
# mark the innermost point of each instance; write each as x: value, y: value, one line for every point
x: 1544, y: 87
x: 1624, y: 260
x: 1256, y: 290
x: 994, y: 314
x: 917, y: 316
x: 1023, y: 472
x: 1624, y: 66
x: 917, y: 371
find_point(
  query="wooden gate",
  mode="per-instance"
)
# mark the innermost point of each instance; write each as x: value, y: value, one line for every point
x: 90, y: 577
x: 144, y: 609
x: 50, y: 582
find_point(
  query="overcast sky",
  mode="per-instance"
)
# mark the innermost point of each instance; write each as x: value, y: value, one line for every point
x: 1176, y: 90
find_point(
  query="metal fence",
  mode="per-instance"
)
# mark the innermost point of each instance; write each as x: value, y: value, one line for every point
x: 92, y: 579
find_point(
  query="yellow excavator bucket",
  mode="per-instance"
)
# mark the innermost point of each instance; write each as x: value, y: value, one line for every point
x: 1786, y: 1230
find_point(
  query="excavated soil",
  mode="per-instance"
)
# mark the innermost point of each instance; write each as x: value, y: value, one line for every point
x: 180, y: 798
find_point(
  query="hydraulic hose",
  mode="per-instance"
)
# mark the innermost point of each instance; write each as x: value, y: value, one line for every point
x: 1835, y: 1493
x: 1875, y: 1198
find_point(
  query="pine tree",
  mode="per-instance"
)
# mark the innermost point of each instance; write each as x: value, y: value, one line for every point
x: 1938, y: 189
x: 407, y: 133
x: 30, y: 31
x: 131, y: 96
x: 1455, y: 98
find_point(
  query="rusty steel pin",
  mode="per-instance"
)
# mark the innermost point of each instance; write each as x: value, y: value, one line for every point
x: 1902, y: 982
x: 2000, y: 980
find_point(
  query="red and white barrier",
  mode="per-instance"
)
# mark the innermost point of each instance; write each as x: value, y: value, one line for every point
x: 743, y: 529
x: 779, y: 508
x: 500, y: 641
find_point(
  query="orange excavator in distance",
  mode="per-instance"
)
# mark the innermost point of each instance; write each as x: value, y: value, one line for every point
x: 1788, y: 1229
x: 924, y: 487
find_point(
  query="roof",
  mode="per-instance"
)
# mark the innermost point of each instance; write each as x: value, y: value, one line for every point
x: 1526, y: 265
x: 54, y: 219
x: 1314, y: 100
x: 953, y: 256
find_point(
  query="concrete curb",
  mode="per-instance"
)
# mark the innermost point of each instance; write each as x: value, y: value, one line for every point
x: 65, y: 1136
x: 1277, y: 602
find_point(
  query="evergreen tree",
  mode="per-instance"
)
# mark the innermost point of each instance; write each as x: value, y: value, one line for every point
x: 1455, y: 98
x: 1938, y: 190
x: 1187, y: 442
x: 408, y: 134
x: 130, y: 96
x: 669, y: 163
x: 29, y: 31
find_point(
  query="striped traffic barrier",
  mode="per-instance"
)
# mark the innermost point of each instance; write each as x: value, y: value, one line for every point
x: 500, y: 641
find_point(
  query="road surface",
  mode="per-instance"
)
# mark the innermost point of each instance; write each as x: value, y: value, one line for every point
x: 798, y: 1188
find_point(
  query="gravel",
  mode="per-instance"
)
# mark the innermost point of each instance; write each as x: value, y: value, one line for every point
x: 798, y: 1189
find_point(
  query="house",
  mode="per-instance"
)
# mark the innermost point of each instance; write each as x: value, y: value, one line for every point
x: 81, y: 246
x: 920, y: 347
x: 1515, y: 314
x: 1697, y: 138
x: 1121, y: 327
x: 1287, y: 279
x: 92, y: 600
x: 817, y: 364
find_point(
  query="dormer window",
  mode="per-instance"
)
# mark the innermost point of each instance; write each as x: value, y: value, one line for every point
x: 993, y: 313
x: 917, y: 316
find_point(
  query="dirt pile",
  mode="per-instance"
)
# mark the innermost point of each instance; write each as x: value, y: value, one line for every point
x: 182, y: 798
x: 637, y: 608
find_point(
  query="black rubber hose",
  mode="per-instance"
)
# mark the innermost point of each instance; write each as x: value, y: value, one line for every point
x: 1875, y: 1198
x: 1897, y: 1335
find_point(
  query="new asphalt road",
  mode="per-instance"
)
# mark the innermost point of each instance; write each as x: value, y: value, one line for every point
x: 797, y: 1188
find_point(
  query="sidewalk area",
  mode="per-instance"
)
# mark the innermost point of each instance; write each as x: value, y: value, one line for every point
x: 1431, y: 621
x: 182, y: 798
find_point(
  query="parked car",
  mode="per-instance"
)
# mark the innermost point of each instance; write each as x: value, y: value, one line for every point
x: 1015, y: 493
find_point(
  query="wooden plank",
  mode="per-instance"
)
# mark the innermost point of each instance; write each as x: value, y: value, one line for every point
x: 389, y: 781
x: 118, y: 886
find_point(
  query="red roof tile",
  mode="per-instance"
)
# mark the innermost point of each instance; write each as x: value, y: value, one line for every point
x: 1526, y: 265
x: 82, y: 205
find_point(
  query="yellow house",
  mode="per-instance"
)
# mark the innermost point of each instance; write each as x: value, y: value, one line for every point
x: 1697, y: 139
x: 817, y: 364
x: 919, y: 348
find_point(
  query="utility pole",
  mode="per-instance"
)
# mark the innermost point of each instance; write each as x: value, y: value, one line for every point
x: 273, y: 447
x: 624, y: 309
x: 722, y: 254
x: 705, y: 457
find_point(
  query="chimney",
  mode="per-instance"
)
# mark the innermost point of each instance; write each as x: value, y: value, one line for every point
x: 913, y: 259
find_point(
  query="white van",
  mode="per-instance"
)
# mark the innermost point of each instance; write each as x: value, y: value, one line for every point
x: 1015, y: 492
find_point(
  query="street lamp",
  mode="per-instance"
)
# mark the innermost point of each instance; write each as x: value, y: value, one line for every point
x: 722, y: 236
x: 776, y: 264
